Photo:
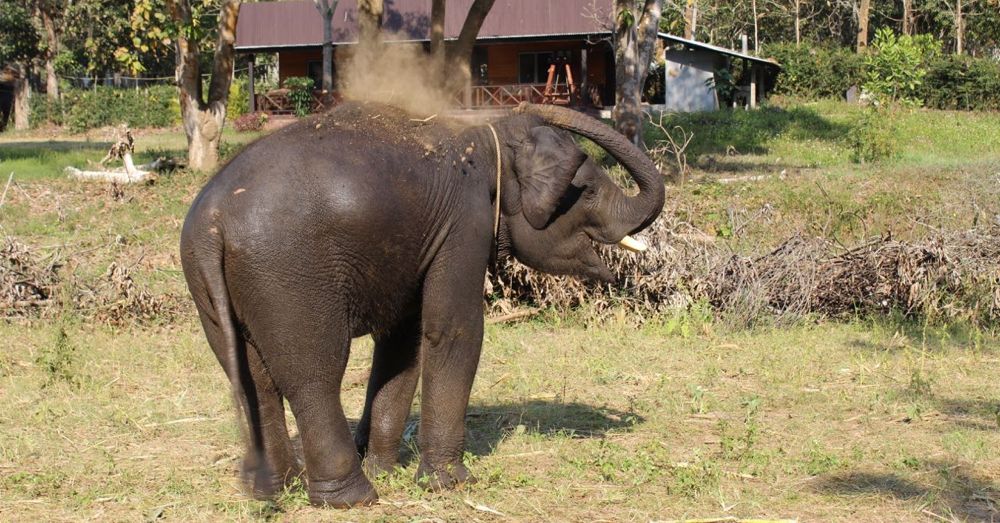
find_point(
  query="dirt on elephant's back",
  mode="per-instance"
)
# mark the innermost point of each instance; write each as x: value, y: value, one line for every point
x: 382, y: 124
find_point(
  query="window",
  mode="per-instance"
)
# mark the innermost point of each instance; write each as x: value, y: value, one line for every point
x: 533, y: 68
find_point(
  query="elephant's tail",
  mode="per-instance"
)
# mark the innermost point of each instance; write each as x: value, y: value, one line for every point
x: 204, y: 257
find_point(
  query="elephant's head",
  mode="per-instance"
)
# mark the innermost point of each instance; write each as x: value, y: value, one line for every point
x: 556, y: 202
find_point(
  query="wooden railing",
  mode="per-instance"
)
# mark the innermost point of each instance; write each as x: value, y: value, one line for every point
x: 485, y: 96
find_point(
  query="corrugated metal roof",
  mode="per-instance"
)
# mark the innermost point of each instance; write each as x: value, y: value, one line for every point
x: 721, y: 50
x: 298, y: 23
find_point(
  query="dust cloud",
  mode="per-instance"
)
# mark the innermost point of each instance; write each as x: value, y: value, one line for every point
x: 401, y: 75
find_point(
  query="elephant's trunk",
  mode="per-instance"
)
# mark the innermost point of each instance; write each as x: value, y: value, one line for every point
x: 635, y: 213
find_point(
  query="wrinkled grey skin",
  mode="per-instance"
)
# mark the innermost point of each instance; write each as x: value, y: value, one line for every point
x: 361, y: 221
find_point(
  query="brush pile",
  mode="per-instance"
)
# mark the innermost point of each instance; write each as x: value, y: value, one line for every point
x: 32, y: 286
x: 27, y: 281
x: 116, y: 300
x: 948, y: 275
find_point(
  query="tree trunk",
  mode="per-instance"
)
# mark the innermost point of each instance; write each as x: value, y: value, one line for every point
x: 908, y: 17
x: 635, y: 38
x: 458, y: 56
x: 52, y: 44
x: 437, y: 36
x: 690, y: 19
x: 798, y: 22
x: 204, y: 132
x: 863, y: 10
x: 370, y: 23
x: 326, y: 9
x: 22, y: 99
x: 959, y: 27
x: 461, y: 52
x: 204, y: 119
x: 756, y: 24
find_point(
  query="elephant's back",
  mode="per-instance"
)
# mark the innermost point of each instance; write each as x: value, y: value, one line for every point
x: 327, y: 207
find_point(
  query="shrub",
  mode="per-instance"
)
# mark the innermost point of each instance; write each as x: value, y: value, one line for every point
x: 897, y: 65
x: 300, y: 93
x: 961, y: 82
x: 250, y: 122
x: 812, y: 71
x: 83, y: 109
x: 874, y: 136
x: 239, y: 99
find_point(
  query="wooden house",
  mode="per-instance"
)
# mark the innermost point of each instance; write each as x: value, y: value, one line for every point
x: 517, y: 45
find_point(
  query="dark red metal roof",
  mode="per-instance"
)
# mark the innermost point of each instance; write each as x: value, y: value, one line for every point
x: 298, y: 24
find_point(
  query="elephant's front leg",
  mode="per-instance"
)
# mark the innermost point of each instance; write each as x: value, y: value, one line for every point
x: 449, y: 353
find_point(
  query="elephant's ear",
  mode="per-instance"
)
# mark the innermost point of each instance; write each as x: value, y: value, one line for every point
x: 545, y: 164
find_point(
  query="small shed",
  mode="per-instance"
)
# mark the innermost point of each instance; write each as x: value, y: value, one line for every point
x: 691, y: 70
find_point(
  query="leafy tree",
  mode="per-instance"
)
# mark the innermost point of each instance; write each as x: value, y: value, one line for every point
x: 203, y: 116
x: 19, y: 44
x: 897, y: 65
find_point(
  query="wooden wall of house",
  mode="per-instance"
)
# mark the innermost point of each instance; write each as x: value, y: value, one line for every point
x: 503, y: 58
x: 296, y: 63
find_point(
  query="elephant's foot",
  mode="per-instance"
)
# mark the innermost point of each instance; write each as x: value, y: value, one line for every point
x: 265, y: 484
x: 376, y: 464
x: 354, y: 491
x: 435, y: 478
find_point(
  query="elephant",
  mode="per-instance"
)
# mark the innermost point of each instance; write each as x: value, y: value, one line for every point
x: 364, y: 220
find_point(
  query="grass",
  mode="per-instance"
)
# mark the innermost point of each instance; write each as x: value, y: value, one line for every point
x: 790, y: 135
x: 38, y: 155
x: 819, y: 423
x: 571, y: 418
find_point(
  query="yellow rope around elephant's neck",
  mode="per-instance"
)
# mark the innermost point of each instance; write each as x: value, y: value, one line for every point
x: 496, y: 214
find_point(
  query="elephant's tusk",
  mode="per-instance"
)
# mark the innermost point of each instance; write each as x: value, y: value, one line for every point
x: 632, y: 244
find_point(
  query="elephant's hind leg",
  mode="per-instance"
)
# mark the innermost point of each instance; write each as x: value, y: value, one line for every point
x: 279, y: 466
x: 393, y: 381
x: 268, y: 465
x: 309, y: 371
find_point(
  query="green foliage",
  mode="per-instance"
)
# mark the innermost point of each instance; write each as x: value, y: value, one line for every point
x: 300, y: 94
x: 874, y: 137
x: 961, y: 82
x: 725, y: 85
x: 18, y: 36
x: 239, y: 99
x: 812, y: 71
x: 896, y: 67
x: 83, y: 109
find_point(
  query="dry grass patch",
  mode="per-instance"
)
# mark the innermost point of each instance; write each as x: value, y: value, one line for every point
x: 831, y: 422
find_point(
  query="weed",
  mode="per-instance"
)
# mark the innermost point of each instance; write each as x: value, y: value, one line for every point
x: 820, y: 461
x: 874, y: 137
x: 57, y: 359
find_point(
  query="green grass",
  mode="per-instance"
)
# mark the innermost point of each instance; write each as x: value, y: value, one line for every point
x: 571, y: 418
x: 797, y: 135
x: 32, y: 156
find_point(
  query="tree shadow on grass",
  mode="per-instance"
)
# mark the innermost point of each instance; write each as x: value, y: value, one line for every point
x: 487, y: 425
x: 950, y: 490
x: 27, y: 150
x: 748, y: 132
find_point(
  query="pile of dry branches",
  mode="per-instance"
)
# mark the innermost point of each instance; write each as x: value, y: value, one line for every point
x: 949, y: 275
x: 117, y: 300
x: 27, y: 281
x: 31, y: 286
